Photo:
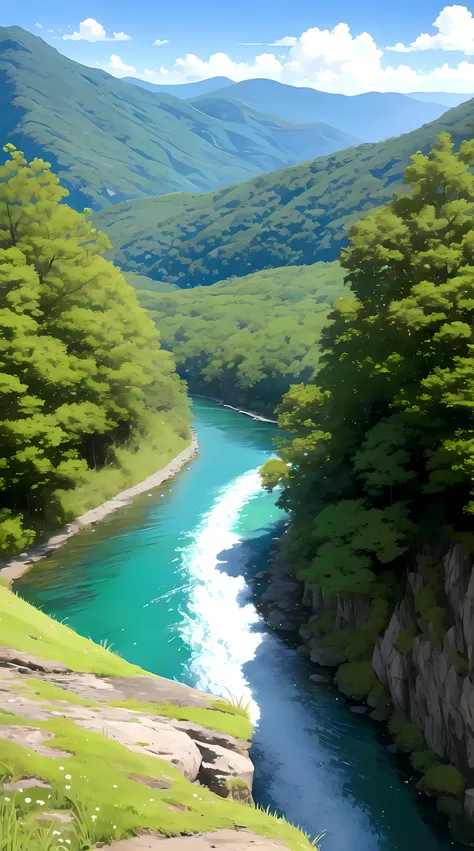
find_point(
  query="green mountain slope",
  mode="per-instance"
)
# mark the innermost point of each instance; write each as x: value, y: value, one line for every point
x: 371, y: 116
x: 296, y: 215
x: 109, y: 141
x: 245, y: 341
x: 183, y: 90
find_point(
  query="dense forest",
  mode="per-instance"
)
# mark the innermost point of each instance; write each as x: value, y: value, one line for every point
x: 297, y: 215
x: 90, y: 404
x: 381, y: 460
x: 247, y: 340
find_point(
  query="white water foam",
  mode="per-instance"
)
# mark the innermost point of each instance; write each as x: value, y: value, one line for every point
x: 216, y: 625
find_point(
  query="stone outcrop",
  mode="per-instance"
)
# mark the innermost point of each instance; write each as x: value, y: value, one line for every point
x: 210, y: 757
x: 428, y: 675
x: 221, y: 840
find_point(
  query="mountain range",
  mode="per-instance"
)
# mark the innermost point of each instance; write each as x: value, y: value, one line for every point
x: 109, y: 141
x: 370, y: 117
x: 297, y: 215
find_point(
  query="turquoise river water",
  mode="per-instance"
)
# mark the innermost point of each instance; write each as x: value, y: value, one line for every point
x: 165, y: 580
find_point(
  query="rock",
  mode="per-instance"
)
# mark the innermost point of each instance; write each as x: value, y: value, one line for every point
x: 161, y: 738
x: 319, y: 678
x: 147, y: 689
x: 221, y: 840
x: 25, y: 783
x: 358, y: 710
x: 377, y: 716
x: 211, y: 737
x: 17, y: 658
x: 280, y: 621
x: 31, y: 737
x: 219, y: 765
x: 392, y: 748
x: 282, y: 590
x: 302, y: 650
x: 469, y: 805
x: 325, y: 655
x: 262, y: 574
x: 64, y: 818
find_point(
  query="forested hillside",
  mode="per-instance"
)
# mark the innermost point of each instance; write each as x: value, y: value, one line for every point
x: 294, y: 216
x: 246, y: 340
x: 109, y: 141
x: 381, y: 461
x: 89, y: 403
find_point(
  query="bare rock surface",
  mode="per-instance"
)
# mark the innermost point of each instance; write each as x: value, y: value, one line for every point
x: 220, y: 765
x: 221, y: 840
x: 16, y: 658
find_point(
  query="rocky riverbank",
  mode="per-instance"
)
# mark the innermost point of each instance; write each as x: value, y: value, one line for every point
x: 14, y: 568
x: 420, y: 676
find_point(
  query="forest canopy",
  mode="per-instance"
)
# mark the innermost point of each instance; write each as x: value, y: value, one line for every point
x: 247, y: 340
x: 82, y: 377
x: 382, y: 457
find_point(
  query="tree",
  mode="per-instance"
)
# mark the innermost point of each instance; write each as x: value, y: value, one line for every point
x: 81, y: 369
x: 384, y: 438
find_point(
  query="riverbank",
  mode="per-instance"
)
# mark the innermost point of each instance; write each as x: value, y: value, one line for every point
x: 259, y: 417
x: 14, y: 568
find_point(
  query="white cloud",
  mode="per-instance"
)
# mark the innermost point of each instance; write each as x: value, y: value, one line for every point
x: 455, y: 26
x: 116, y: 64
x: 335, y: 60
x: 160, y: 41
x: 148, y: 73
x: 91, y: 30
x: 39, y: 26
x: 287, y: 41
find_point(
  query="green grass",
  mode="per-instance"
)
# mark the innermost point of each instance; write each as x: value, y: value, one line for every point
x: 112, y: 805
x: 162, y: 443
x: 297, y: 215
x: 22, y: 627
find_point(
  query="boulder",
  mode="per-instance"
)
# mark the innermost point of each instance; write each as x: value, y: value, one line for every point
x: 18, y: 659
x: 220, y: 765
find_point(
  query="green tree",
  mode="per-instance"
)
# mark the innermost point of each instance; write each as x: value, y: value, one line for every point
x: 81, y: 369
x: 384, y: 438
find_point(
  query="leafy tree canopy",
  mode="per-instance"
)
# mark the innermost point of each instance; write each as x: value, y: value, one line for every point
x: 81, y: 369
x: 383, y: 446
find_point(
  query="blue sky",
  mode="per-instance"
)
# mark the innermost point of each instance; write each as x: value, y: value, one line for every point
x: 340, y: 46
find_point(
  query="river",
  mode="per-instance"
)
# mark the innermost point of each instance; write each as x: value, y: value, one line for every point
x: 164, y: 581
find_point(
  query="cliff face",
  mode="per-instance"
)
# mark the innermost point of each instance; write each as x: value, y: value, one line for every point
x: 424, y: 658
x: 433, y: 684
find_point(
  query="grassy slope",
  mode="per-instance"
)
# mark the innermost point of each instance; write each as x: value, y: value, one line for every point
x: 95, y: 781
x: 109, y: 141
x: 246, y: 340
x: 294, y: 216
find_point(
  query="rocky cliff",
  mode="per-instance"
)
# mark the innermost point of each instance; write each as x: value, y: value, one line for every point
x: 420, y: 673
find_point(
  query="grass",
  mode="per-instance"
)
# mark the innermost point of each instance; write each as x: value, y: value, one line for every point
x: 155, y: 451
x: 22, y: 627
x: 95, y: 782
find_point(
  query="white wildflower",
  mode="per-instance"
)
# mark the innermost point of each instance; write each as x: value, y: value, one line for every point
x: 41, y: 803
x: 67, y: 777
x: 61, y: 767
x: 67, y: 788
x: 27, y: 800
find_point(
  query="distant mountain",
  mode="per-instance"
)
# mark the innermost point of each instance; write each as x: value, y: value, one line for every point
x: 295, y: 216
x: 445, y: 98
x: 183, y: 91
x: 109, y: 141
x: 371, y: 117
